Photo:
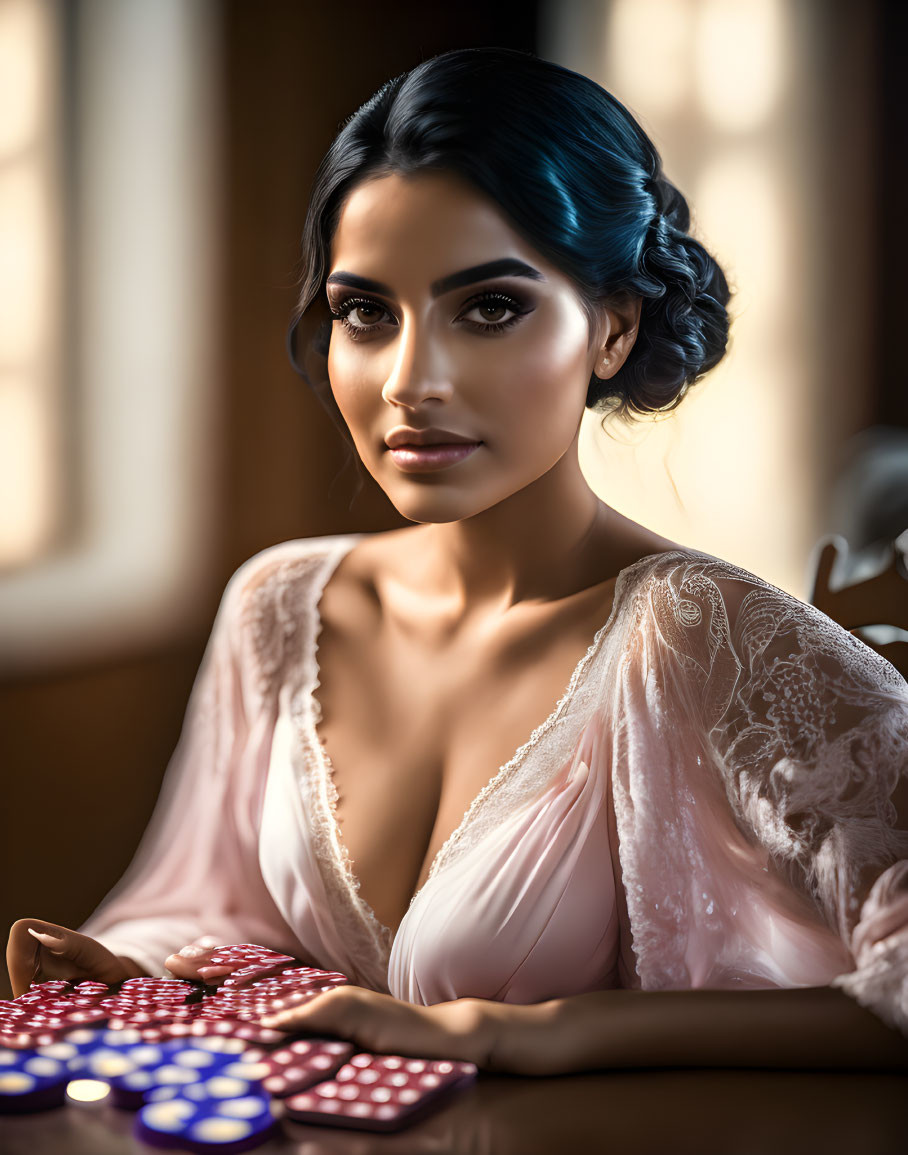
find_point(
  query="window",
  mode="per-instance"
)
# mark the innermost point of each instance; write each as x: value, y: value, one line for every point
x: 130, y: 405
x: 30, y: 270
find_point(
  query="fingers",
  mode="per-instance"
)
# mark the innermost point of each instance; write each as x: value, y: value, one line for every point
x: 192, y: 963
x: 40, y: 950
x: 55, y: 942
x: 331, y: 1012
x: 21, y: 954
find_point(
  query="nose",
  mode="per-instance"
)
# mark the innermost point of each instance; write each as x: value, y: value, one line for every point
x: 419, y: 371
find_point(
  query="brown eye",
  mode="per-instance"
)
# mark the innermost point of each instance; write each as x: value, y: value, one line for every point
x: 360, y: 316
x: 366, y: 314
x: 493, y: 310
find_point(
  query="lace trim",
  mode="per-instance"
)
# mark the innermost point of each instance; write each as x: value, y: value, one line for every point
x: 484, y: 813
x: 381, y: 937
x: 807, y: 730
x: 530, y: 770
x: 279, y: 603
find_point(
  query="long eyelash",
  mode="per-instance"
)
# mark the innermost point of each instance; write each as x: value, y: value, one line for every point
x: 518, y: 308
x: 342, y: 312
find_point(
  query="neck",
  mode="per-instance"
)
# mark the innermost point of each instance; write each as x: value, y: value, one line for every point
x: 539, y: 544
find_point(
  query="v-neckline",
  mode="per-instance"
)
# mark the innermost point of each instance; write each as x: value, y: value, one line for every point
x: 314, y: 714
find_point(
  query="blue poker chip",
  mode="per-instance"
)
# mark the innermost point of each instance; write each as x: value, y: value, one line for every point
x: 31, y: 1082
x: 217, y: 1117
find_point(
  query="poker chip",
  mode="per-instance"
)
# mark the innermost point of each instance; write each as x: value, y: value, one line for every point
x: 221, y: 1113
x: 47, y: 1011
x: 379, y: 1092
x: 196, y: 1064
x: 253, y: 962
x: 30, y: 1082
x: 293, y: 1067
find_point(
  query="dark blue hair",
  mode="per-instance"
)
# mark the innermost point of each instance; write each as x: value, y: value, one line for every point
x: 577, y: 177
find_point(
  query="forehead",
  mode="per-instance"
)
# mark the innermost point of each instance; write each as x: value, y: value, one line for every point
x: 425, y: 224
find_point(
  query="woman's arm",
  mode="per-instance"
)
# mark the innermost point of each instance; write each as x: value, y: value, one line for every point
x: 814, y: 1028
x: 807, y: 1028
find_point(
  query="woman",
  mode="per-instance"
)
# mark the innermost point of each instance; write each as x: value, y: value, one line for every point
x: 691, y: 859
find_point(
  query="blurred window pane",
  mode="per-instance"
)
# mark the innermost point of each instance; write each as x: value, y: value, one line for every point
x: 30, y: 273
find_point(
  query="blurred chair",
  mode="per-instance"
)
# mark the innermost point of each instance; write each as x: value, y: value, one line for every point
x: 861, y: 574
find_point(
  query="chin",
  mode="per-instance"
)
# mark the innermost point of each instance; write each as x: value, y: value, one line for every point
x: 436, y: 507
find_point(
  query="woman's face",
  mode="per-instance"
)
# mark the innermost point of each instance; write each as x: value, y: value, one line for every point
x: 450, y: 327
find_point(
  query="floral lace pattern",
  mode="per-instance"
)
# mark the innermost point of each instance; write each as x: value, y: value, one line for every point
x: 807, y: 731
x: 757, y: 755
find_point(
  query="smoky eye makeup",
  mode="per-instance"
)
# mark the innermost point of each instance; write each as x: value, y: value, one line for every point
x: 487, y: 312
x: 495, y: 301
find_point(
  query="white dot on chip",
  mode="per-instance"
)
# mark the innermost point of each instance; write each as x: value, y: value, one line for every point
x: 172, y: 1074
x: 194, y: 1058
x: 167, y: 1116
x: 16, y: 1082
x: 42, y: 1066
x: 222, y: 1087
x: 220, y: 1130
x: 245, y: 1108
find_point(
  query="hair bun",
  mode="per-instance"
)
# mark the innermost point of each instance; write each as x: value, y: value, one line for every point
x: 684, y: 324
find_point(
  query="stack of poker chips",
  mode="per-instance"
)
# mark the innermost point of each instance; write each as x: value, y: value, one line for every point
x: 196, y: 1064
x: 47, y: 1011
x: 379, y: 1092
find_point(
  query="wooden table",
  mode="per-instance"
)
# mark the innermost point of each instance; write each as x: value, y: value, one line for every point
x: 688, y: 1112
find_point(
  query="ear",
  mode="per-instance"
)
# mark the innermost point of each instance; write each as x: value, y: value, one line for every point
x: 619, y: 323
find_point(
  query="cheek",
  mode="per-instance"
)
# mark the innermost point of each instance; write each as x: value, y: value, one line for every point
x: 351, y: 383
x: 543, y: 378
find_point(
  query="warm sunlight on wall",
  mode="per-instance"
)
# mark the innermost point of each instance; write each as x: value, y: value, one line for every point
x: 720, y: 88
x: 29, y: 280
x: 127, y: 415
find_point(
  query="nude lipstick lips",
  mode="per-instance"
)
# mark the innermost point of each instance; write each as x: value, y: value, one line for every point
x: 430, y: 458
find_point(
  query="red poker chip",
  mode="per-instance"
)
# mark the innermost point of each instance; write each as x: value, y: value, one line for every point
x: 294, y: 1066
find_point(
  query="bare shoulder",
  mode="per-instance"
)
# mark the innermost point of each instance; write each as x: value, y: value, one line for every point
x: 351, y: 601
x: 623, y: 543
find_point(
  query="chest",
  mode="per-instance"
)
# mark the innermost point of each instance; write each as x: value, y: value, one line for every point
x: 415, y: 725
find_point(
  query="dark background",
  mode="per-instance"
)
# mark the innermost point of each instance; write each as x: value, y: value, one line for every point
x: 84, y: 747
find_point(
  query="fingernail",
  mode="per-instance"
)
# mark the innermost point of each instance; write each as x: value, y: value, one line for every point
x: 45, y: 936
x: 211, y: 972
x: 273, y: 1020
x: 192, y: 951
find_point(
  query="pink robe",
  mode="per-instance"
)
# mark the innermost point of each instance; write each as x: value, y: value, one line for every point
x: 709, y: 804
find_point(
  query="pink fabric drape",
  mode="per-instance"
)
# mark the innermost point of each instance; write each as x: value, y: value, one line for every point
x: 719, y: 800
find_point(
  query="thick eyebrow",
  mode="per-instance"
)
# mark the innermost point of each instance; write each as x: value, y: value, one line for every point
x: 506, y: 267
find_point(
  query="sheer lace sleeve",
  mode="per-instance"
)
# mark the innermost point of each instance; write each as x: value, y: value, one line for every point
x: 196, y: 872
x: 806, y: 729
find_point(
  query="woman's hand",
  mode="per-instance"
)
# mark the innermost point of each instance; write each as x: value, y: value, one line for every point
x: 192, y: 962
x: 39, y: 950
x: 463, y: 1029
